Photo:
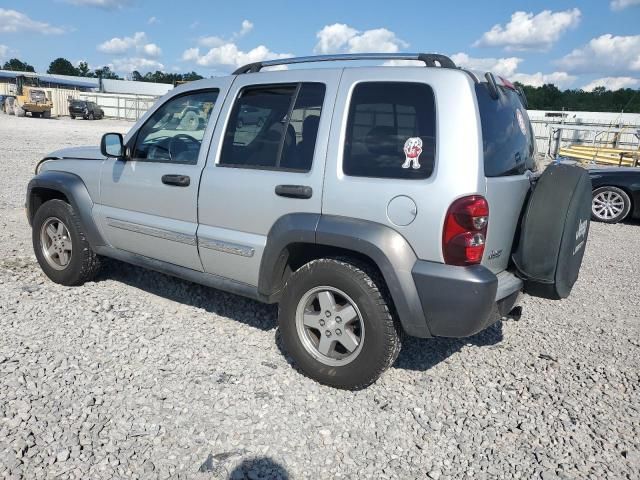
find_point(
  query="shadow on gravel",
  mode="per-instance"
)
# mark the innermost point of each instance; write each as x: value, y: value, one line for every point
x: 261, y: 467
x: 424, y: 353
x: 417, y: 353
x: 235, y: 307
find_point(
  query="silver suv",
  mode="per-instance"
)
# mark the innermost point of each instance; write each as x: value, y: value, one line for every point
x: 368, y: 202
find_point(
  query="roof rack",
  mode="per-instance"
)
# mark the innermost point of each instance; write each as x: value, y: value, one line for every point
x: 429, y: 59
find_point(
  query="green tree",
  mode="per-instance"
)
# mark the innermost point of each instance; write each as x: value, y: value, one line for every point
x: 106, y: 73
x: 62, y: 66
x: 84, y: 70
x: 17, y: 66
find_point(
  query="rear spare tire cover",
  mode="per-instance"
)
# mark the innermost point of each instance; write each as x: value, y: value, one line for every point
x: 554, y: 231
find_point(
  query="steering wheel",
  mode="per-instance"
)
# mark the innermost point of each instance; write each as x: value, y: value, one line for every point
x: 181, y: 138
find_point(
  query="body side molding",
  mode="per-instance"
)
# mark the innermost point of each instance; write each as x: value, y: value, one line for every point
x: 76, y: 192
x: 202, y: 278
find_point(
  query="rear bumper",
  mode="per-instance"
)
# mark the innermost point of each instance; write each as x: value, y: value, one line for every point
x: 461, y: 301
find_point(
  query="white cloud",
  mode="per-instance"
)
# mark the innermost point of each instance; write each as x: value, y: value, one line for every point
x: 229, y: 55
x: 247, y: 26
x: 618, y: 5
x: 613, y: 54
x: 4, y: 51
x: 562, y: 80
x: 151, y: 50
x: 191, y: 55
x: 527, y: 31
x: 140, y: 64
x: 12, y: 21
x: 119, y: 46
x: 612, y: 83
x: 340, y: 37
x: 505, y: 67
x: 153, y: 20
x: 106, y: 4
x: 211, y: 41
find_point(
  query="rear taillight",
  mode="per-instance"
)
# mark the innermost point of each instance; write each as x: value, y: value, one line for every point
x: 465, y: 231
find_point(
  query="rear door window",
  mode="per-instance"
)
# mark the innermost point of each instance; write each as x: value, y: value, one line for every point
x: 274, y: 127
x: 391, y: 131
x: 507, y: 136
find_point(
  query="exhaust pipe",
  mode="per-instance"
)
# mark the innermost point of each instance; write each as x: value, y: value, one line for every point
x: 514, y: 314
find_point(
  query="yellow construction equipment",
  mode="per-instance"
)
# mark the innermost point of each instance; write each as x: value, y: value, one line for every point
x: 29, y: 99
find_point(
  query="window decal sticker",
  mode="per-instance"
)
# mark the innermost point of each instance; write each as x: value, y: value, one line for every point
x: 412, y: 151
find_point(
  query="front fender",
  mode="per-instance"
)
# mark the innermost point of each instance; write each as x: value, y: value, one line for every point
x: 73, y: 188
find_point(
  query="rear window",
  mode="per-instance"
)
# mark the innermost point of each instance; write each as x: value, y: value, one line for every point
x: 507, y: 138
x: 391, y: 131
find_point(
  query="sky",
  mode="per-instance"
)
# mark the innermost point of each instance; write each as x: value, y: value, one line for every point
x: 573, y: 44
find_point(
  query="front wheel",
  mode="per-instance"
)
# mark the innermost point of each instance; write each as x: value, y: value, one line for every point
x: 91, y: 116
x: 336, y: 323
x: 610, y: 205
x: 60, y: 245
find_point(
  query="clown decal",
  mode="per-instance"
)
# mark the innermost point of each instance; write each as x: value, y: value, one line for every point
x: 412, y: 151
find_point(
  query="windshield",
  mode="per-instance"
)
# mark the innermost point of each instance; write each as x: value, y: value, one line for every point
x: 78, y: 104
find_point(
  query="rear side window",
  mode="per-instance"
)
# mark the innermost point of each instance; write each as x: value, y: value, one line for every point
x: 391, y: 131
x: 507, y: 137
x: 274, y: 127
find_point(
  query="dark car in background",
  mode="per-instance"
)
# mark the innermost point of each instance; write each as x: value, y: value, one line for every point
x: 616, y: 193
x: 85, y: 109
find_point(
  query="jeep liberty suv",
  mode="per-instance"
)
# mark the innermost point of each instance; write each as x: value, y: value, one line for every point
x: 367, y: 201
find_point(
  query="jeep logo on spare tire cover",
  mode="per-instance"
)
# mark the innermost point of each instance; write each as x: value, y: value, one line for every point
x: 554, y: 232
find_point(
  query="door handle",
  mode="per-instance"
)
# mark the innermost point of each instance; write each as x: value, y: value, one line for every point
x: 294, y: 191
x: 176, y: 180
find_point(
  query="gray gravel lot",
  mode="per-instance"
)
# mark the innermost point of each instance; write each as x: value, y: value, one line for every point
x: 139, y: 375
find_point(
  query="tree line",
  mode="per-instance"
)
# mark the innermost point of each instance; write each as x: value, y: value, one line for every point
x: 62, y: 66
x: 550, y: 97
x: 546, y: 97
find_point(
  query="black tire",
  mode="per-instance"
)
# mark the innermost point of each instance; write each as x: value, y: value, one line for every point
x: 83, y: 264
x: 382, y: 337
x: 36, y: 114
x: 601, y: 215
x: 73, y: 117
x: 91, y: 116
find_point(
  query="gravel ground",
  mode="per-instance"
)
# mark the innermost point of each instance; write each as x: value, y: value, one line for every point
x: 139, y: 375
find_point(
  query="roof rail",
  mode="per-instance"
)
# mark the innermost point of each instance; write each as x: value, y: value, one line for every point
x: 429, y: 59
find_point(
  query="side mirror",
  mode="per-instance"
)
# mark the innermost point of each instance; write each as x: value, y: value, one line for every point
x: 112, y: 145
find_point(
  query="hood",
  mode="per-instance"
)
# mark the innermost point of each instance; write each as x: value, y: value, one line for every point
x: 77, y: 153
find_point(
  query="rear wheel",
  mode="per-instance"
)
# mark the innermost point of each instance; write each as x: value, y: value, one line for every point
x: 46, y: 114
x: 60, y: 245
x: 36, y: 114
x: 91, y: 116
x: 337, y: 324
x: 610, y: 205
x: 20, y: 112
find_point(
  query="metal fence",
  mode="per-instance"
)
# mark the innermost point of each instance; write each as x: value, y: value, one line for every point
x: 121, y: 106
x: 554, y: 130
